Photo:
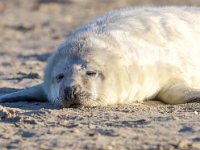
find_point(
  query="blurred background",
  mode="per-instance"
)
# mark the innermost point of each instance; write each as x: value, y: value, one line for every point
x: 31, y: 29
x: 40, y: 24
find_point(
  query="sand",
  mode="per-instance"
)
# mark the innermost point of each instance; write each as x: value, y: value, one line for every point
x: 30, y: 31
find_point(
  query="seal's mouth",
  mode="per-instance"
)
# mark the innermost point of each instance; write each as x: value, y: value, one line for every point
x: 75, y: 105
x: 78, y: 100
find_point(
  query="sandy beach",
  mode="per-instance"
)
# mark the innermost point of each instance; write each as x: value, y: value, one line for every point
x: 30, y: 31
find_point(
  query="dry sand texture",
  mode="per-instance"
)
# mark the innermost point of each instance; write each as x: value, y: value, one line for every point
x: 29, y: 31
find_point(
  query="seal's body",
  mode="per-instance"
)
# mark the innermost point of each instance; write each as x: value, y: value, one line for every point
x: 127, y: 55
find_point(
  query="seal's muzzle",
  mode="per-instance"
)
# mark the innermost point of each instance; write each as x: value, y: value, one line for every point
x: 71, y: 92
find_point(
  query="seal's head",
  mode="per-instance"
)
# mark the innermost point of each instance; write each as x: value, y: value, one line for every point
x: 85, y: 71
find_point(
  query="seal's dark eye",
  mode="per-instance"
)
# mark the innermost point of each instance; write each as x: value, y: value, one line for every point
x: 91, y: 73
x: 60, y: 77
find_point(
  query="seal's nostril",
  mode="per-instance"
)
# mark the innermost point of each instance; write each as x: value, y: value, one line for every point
x: 71, y: 92
x: 68, y: 92
x: 76, y: 89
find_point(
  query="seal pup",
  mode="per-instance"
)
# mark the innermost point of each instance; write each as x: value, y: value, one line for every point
x: 127, y: 55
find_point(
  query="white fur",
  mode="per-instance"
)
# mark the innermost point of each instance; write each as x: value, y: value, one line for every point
x: 143, y: 53
x: 157, y: 47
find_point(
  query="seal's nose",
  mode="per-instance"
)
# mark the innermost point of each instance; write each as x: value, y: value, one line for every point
x: 72, y: 91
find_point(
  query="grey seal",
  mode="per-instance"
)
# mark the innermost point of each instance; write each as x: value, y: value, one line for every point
x: 128, y: 55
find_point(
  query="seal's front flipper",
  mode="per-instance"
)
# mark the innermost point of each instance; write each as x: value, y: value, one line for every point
x: 178, y: 93
x: 35, y: 93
